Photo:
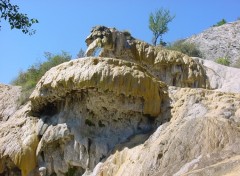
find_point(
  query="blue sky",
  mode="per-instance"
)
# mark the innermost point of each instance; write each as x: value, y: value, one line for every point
x: 64, y: 25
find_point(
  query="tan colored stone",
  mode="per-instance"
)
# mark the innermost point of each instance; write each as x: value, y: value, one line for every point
x: 18, y: 141
x: 118, y: 76
x: 200, y: 139
x: 171, y: 67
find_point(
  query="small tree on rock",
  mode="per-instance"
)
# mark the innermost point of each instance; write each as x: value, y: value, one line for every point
x: 158, y: 24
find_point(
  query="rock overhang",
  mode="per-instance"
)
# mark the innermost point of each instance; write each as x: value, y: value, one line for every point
x: 104, y: 74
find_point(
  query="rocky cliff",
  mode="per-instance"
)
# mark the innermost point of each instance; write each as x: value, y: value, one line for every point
x: 136, y: 110
x: 9, y: 96
x: 219, y: 41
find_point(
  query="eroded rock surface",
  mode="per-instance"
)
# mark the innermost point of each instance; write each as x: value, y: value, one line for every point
x: 88, y: 106
x: 174, y: 68
x: 9, y: 96
x: 219, y: 42
x: 220, y: 77
x: 121, y: 116
x: 18, y: 141
x: 202, y: 138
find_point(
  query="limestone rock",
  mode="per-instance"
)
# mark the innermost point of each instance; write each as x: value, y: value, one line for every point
x: 104, y: 74
x: 88, y: 106
x: 121, y: 116
x: 220, y: 77
x: 18, y: 141
x: 221, y: 41
x: 9, y: 96
x: 202, y: 138
x: 174, y: 68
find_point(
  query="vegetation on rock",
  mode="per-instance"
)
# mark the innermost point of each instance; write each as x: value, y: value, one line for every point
x: 223, y: 61
x: 187, y: 48
x: 220, y: 23
x: 28, y: 79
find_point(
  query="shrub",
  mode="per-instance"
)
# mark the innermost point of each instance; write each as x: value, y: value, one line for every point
x: 220, y: 23
x: 29, y: 78
x: 223, y: 61
x: 187, y: 48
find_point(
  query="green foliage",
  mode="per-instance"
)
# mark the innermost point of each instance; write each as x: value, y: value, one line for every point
x: 16, y: 20
x: 189, y: 49
x: 158, y: 23
x: 220, y: 23
x: 223, y: 61
x: 29, y: 78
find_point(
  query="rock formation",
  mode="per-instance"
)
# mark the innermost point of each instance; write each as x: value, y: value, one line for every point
x: 202, y: 138
x: 220, y: 77
x: 136, y: 110
x: 174, y: 68
x: 220, y: 41
x: 9, y: 97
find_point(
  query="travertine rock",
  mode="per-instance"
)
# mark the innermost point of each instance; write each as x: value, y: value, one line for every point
x: 104, y: 74
x: 9, y: 96
x: 174, y: 68
x: 106, y: 116
x: 88, y: 106
x: 18, y: 143
x: 221, y: 41
x: 202, y: 138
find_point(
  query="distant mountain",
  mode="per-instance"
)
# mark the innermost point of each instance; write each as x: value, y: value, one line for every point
x: 220, y: 41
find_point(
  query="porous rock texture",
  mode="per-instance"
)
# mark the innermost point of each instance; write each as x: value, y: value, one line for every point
x: 202, y: 138
x: 219, y: 42
x: 9, y: 96
x: 172, y: 67
x: 120, y: 116
x: 95, y: 104
x: 19, y: 140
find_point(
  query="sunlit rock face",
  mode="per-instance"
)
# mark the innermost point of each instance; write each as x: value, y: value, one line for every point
x: 219, y: 42
x: 9, y: 100
x: 220, y: 77
x: 136, y: 110
x: 174, y: 68
x: 88, y: 106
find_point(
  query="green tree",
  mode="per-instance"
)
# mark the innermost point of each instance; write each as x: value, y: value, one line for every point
x: 17, y: 20
x: 158, y: 24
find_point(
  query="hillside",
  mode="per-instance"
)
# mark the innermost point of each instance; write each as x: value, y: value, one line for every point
x: 219, y: 41
x: 136, y: 109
